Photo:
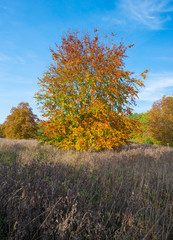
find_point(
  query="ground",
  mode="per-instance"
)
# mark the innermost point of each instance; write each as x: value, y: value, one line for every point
x: 47, y: 193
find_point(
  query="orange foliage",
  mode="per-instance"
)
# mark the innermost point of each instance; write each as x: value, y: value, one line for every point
x: 86, y: 93
x: 21, y: 123
x: 161, y: 120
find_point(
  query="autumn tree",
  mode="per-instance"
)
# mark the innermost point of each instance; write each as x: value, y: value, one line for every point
x: 2, y: 135
x: 86, y: 93
x: 21, y: 123
x: 161, y: 120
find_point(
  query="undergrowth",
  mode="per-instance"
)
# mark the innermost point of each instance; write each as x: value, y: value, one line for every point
x: 46, y: 193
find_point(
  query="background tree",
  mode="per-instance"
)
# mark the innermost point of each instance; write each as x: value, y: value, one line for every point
x: 143, y: 135
x: 40, y: 130
x: 2, y: 135
x: 21, y: 123
x: 161, y: 120
x: 86, y: 93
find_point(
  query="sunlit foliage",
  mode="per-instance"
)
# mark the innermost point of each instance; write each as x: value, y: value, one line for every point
x: 161, y: 120
x: 21, y: 123
x: 87, y: 92
x: 143, y: 135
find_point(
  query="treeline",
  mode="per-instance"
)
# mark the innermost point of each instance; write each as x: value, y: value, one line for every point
x: 154, y: 126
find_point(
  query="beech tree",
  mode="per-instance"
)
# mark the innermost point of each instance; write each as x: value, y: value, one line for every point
x: 21, y: 123
x: 161, y: 120
x: 86, y: 92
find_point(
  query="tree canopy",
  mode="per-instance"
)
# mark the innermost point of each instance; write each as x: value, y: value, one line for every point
x: 161, y: 120
x: 21, y: 123
x: 86, y: 93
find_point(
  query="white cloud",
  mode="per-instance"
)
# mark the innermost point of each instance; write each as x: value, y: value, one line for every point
x: 151, y: 13
x: 157, y: 86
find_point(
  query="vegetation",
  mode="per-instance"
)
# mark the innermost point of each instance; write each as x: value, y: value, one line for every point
x: 86, y: 93
x: 2, y: 134
x: 21, y: 123
x: 161, y: 120
x: 143, y: 135
x: 46, y: 193
x: 119, y: 193
x: 40, y: 130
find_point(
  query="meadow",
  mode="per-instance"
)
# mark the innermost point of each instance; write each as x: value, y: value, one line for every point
x: 47, y: 193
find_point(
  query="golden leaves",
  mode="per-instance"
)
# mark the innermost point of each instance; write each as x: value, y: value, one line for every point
x: 21, y: 123
x: 161, y: 120
x: 86, y: 93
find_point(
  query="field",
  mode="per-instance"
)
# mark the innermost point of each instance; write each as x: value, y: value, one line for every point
x: 46, y: 193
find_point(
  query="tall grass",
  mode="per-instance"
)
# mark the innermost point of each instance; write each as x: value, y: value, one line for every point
x: 46, y: 193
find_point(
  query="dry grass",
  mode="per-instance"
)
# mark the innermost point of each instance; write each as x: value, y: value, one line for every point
x: 46, y: 193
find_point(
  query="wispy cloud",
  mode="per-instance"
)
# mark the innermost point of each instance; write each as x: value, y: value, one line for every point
x: 7, y: 58
x: 151, y: 13
x: 3, y: 7
x: 156, y: 86
x: 4, y: 57
x: 113, y: 20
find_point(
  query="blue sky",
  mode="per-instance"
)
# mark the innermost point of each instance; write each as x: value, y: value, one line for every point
x: 29, y: 28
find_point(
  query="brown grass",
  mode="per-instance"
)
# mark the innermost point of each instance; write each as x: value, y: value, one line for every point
x: 46, y: 193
